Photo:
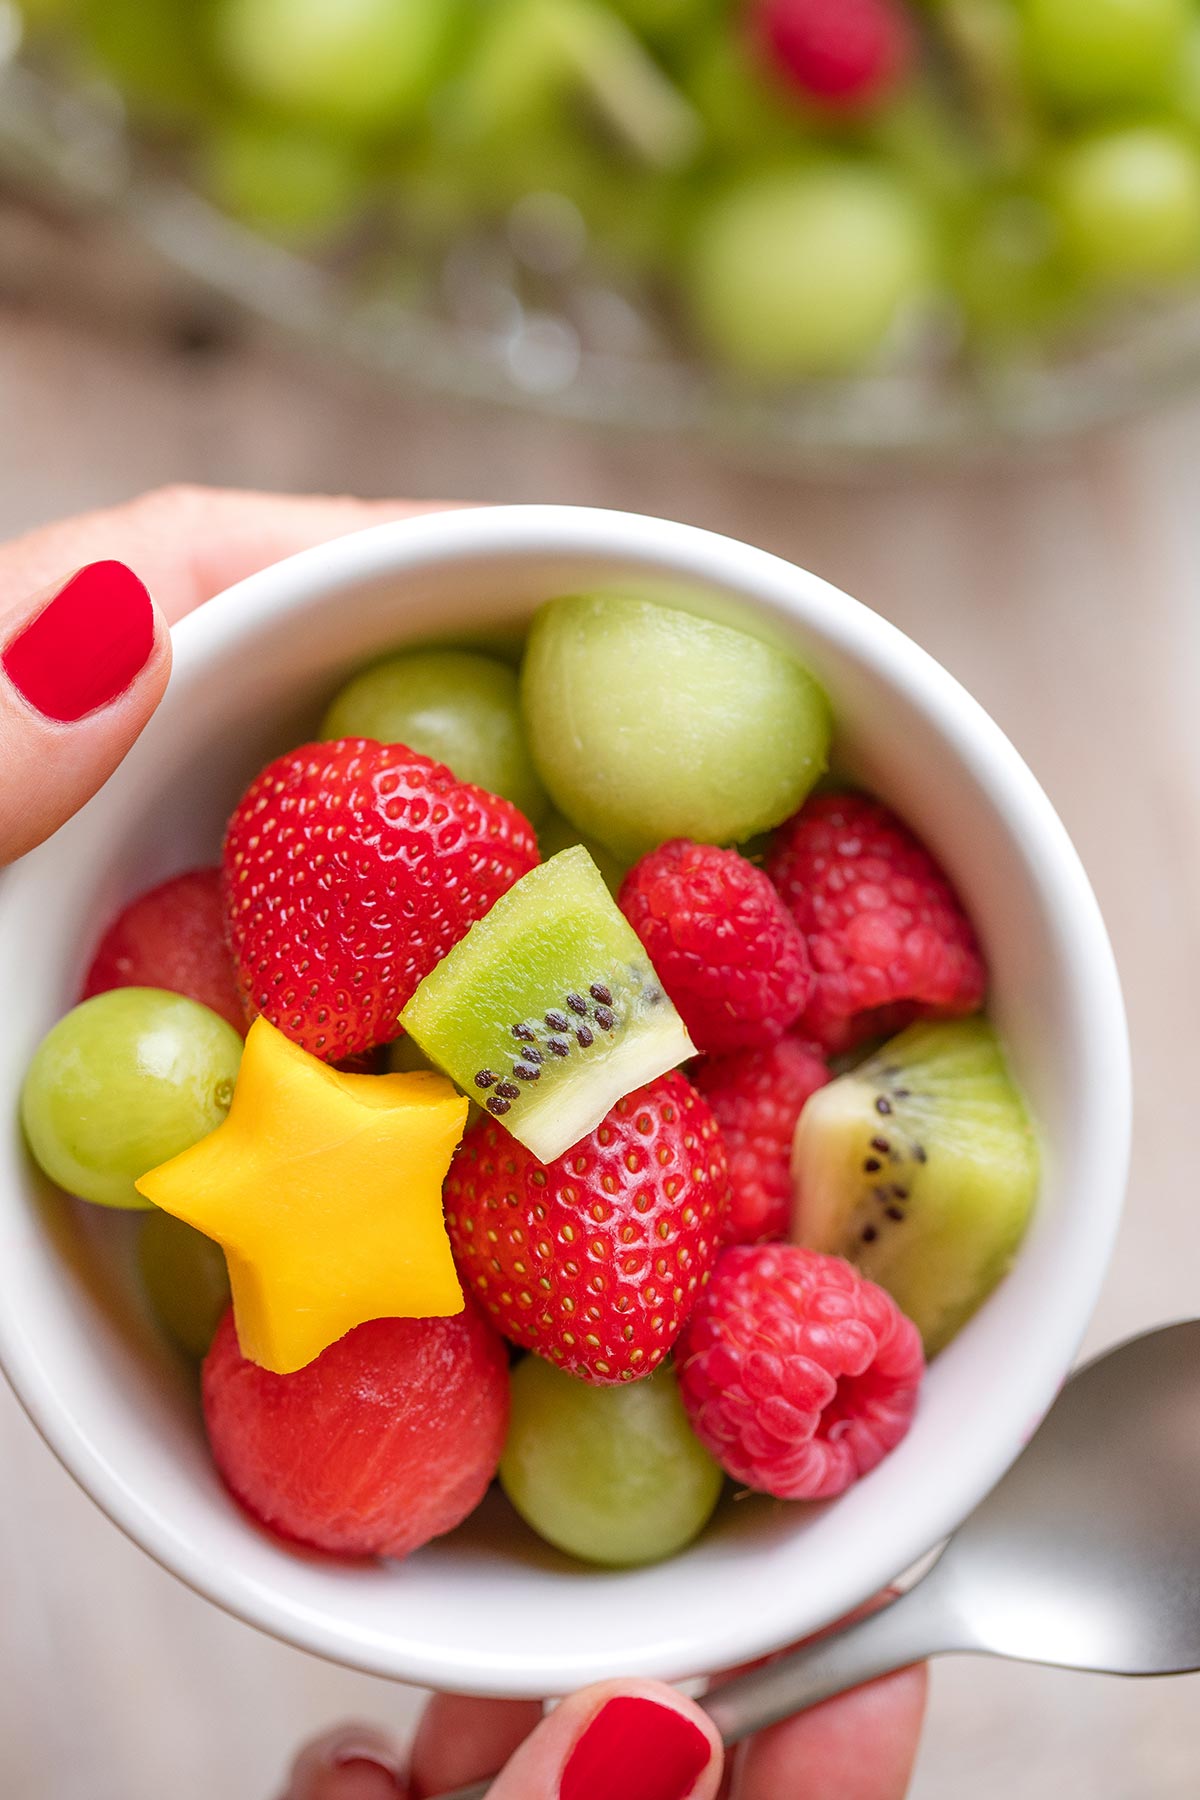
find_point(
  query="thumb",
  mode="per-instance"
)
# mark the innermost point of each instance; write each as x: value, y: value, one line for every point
x: 639, y: 1740
x: 84, y: 663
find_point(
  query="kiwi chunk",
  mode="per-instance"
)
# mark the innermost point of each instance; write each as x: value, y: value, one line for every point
x: 548, y: 1011
x: 921, y: 1167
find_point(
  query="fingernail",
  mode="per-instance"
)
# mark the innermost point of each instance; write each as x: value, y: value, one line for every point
x: 636, y: 1749
x: 362, y: 1776
x: 366, y: 1761
x: 86, y: 645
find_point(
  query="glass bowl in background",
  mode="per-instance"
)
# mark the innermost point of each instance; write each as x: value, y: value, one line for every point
x: 569, y: 301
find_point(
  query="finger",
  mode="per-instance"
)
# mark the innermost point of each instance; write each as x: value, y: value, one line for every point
x: 616, y: 1741
x: 189, y: 543
x: 83, y: 664
x: 861, y: 1746
x: 460, y: 1740
x: 351, y: 1762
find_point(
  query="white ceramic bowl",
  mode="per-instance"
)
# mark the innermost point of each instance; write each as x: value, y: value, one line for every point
x: 488, y: 1609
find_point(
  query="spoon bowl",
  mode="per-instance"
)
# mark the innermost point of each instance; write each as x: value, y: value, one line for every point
x: 1086, y: 1555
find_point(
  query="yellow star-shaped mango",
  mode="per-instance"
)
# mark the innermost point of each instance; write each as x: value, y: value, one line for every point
x: 325, y: 1192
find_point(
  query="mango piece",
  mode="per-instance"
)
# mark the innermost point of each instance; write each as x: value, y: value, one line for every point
x: 325, y: 1192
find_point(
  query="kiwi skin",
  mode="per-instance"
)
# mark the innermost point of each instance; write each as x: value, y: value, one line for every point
x: 921, y: 1167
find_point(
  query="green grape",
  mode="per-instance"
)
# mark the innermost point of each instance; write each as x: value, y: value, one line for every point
x: 1128, y: 203
x: 746, y: 117
x: 804, y: 271
x: 613, y: 1475
x: 512, y: 77
x: 47, y: 15
x: 155, y: 53
x: 1006, y: 266
x: 357, y: 65
x: 185, y: 1278
x: 1103, y: 53
x: 461, y: 709
x: 124, y: 1082
x: 668, y: 18
x: 556, y: 833
x: 284, y: 181
x: 1186, y: 88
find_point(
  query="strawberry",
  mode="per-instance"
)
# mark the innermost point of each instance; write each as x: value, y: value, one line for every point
x: 350, y: 869
x: 594, y: 1260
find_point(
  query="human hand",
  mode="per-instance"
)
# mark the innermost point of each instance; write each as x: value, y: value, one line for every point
x: 85, y: 646
x: 86, y: 657
x: 627, y: 1740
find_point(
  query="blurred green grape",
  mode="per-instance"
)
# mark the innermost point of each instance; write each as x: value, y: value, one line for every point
x: 1128, y: 204
x: 1103, y: 53
x: 39, y: 15
x: 745, y: 117
x: 353, y: 65
x: 287, y: 182
x: 1186, y: 88
x: 805, y: 271
x: 1006, y: 267
x: 155, y: 52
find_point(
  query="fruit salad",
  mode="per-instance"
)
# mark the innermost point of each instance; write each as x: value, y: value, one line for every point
x: 565, y: 1077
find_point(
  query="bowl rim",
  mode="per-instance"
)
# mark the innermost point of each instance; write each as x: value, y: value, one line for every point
x: 773, y: 587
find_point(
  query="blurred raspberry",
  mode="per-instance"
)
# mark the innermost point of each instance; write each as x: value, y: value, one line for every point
x: 845, y: 54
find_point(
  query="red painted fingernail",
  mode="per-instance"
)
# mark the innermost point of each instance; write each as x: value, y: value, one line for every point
x: 638, y: 1750
x: 86, y: 645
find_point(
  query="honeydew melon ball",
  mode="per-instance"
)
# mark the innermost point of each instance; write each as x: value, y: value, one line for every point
x: 648, y: 723
x: 806, y: 270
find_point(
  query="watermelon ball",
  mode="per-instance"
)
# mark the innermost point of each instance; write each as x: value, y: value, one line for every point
x: 387, y: 1440
x: 172, y: 937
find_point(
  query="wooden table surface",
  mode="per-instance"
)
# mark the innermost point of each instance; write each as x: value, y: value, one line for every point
x: 1064, y: 592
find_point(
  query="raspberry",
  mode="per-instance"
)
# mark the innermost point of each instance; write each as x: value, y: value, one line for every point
x: 887, y: 935
x: 594, y: 1260
x: 721, y: 942
x: 846, y: 54
x: 350, y: 869
x: 172, y: 937
x: 756, y: 1097
x: 388, y: 1439
x: 797, y: 1373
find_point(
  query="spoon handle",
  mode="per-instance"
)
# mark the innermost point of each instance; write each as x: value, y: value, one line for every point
x: 903, y: 1632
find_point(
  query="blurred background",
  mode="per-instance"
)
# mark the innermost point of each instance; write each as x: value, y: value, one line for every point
x: 909, y: 293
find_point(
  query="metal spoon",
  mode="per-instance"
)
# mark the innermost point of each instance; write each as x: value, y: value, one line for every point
x: 1086, y: 1555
